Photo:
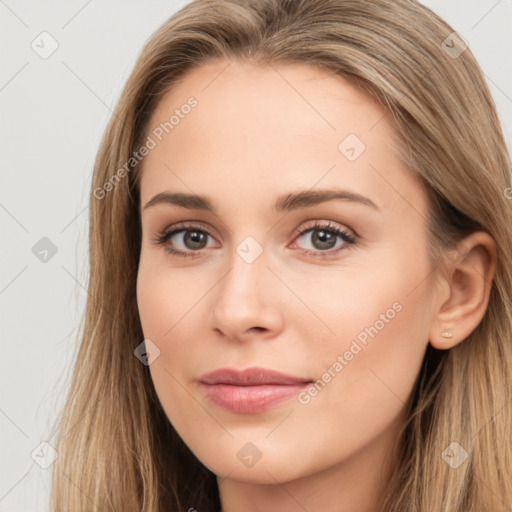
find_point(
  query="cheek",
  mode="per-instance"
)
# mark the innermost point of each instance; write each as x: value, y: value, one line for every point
x: 381, y: 319
x: 168, y: 308
x: 165, y: 304
x: 173, y: 308
x: 165, y: 298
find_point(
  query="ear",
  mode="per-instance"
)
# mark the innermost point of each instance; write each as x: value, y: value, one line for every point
x: 466, y: 287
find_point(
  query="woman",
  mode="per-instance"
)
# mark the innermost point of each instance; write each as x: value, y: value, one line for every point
x: 300, y: 290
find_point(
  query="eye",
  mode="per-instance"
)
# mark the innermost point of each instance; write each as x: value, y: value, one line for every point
x: 325, y: 239
x: 183, y: 240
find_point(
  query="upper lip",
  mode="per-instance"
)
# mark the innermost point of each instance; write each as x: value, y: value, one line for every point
x: 250, y: 377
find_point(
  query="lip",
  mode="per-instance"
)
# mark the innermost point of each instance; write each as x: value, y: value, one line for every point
x: 251, y: 390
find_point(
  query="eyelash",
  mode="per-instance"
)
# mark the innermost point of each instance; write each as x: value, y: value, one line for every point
x: 163, y: 236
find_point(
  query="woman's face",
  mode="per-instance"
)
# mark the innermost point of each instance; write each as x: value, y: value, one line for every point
x: 273, y: 270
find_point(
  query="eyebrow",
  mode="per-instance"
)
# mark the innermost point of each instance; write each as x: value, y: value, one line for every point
x: 292, y: 201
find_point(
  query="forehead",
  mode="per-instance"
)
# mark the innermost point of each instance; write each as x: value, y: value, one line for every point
x: 270, y: 96
x: 286, y: 126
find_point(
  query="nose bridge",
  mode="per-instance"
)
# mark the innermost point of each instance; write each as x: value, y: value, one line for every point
x: 246, y: 274
x: 244, y: 298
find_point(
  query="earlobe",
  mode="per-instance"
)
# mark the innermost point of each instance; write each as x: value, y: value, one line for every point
x: 469, y: 278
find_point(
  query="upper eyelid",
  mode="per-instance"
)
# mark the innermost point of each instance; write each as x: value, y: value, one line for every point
x: 300, y: 231
x: 190, y: 225
x: 187, y: 226
x: 323, y: 224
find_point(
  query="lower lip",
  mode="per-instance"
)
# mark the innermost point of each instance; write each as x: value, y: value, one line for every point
x: 250, y: 399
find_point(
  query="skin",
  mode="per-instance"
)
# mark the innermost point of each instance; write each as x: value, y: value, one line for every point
x: 258, y: 133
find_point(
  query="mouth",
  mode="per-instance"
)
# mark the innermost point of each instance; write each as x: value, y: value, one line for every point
x: 252, y: 390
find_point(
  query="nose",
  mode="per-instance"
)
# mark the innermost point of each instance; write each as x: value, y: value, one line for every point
x: 246, y: 303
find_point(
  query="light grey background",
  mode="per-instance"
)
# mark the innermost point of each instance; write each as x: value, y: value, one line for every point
x: 53, y: 113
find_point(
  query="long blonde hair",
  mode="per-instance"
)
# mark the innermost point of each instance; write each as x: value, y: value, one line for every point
x: 117, y: 449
